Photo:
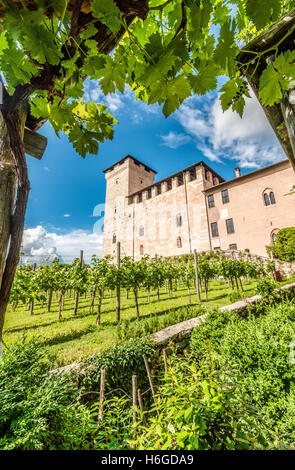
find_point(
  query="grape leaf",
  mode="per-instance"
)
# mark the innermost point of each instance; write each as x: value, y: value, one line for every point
x: 262, y: 12
x: 108, y: 13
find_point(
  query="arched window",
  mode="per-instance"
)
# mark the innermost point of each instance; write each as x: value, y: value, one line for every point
x: 141, y: 231
x: 179, y: 242
x: 273, y: 235
x: 141, y: 250
x: 269, y: 197
x: 266, y: 199
x: 114, y: 238
x: 272, y: 197
x: 178, y: 220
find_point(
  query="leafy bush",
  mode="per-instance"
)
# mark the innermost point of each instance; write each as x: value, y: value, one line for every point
x: 35, y: 411
x: 234, y: 296
x: 284, y: 246
x: 120, y: 363
x: 199, y: 411
x: 256, y: 348
x: 142, y: 327
x: 40, y: 411
x: 265, y: 287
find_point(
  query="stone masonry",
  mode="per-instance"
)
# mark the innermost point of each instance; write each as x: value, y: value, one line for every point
x: 195, y: 209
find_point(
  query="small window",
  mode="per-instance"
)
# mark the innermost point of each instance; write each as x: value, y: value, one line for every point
x: 178, y: 220
x: 211, y: 202
x: 179, y: 242
x: 216, y: 248
x: 141, y: 231
x: 207, y: 175
x: 139, y: 197
x: 169, y: 185
x: 114, y: 238
x: 224, y: 195
x: 272, y: 198
x: 117, y: 181
x: 215, y: 180
x: 233, y: 246
x: 214, y: 229
x: 141, y: 250
x: 159, y: 189
x: 193, y: 174
x: 149, y: 193
x: 180, y: 179
x: 230, y: 226
x: 266, y: 199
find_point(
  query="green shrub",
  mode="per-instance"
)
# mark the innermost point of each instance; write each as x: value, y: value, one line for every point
x: 35, y: 409
x: 234, y: 296
x: 284, y: 246
x: 265, y: 287
x: 120, y: 363
x: 199, y: 411
x: 256, y: 349
x: 142, y: 327
x: 45, y: 412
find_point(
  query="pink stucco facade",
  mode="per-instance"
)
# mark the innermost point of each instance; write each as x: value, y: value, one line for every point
x: 186, y: 211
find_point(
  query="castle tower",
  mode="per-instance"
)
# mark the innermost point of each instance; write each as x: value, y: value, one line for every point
x: 124, y: 177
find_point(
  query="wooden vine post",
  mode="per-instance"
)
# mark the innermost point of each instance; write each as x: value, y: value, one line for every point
x: 32, y: 301
x: 134, y: 405
x: 197, y: 275
x: 101, y: 394
x: 77, y: 293
x: 165, y: 361
x: 150, y: 381
x: 140, y: 404
x: 118, y: 292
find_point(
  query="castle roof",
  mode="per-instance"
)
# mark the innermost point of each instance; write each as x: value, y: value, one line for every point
x: 110, y: 168
x: 247, y: 175
x: 200, y: 163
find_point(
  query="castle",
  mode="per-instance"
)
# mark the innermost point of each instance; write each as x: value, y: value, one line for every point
x: 195, y: 208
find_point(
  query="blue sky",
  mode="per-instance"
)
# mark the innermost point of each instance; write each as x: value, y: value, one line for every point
x: 66, y: 187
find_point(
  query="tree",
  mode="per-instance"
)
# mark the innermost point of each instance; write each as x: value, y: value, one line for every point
x: 164, y: 50
x: 284, y: 245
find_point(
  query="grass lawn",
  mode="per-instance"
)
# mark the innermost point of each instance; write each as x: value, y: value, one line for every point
x: 76, y: 336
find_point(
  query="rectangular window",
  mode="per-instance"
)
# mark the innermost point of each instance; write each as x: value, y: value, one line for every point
x: 149, y: 193
x: 211, y: 202
x: 169, y: 185
x: 159, y: 189
x: 233, y: 246
x: 139, y: 197
x: 207, y: 175
x: 214, y: 229
x: 230, y: 226
x: 193, y: 174
x: 179, y: 179
x: 225, y: 196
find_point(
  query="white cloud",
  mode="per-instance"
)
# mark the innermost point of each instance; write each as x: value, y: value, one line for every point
x: 125, y: 102
x: 38, y: 244
x: 249, y: 141
x: 175, y: 140
x: 67, y: 215
x: 114, y: 101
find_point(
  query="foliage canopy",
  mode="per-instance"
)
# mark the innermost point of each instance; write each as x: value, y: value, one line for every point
x: 165, y: 51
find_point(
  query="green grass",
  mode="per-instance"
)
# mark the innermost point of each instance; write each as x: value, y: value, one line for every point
x: 78, y: 336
